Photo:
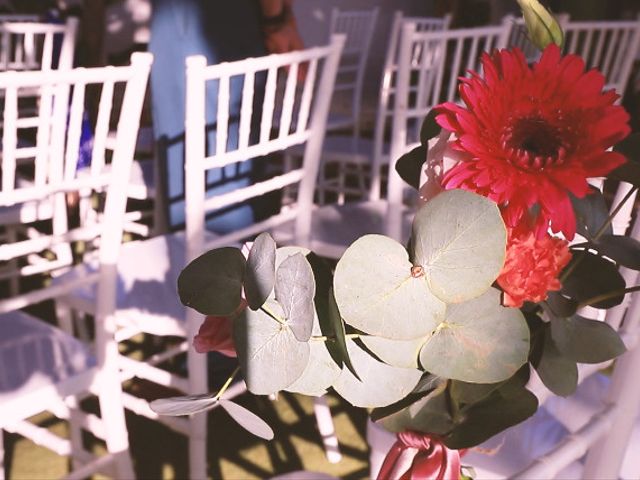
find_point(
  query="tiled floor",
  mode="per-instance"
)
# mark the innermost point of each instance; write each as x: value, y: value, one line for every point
x: 159, y: 453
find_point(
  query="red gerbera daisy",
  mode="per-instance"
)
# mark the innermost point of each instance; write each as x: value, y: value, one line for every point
x: 532, y: 135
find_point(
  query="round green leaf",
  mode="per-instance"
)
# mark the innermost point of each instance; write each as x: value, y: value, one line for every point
x: 377, y: 294
x: 283, y: 253
x: 586, y: 341
x: 269, y: 354
x: 558, y: 372
x: 212, y: 283
x: 397, y: 353
x: 459, y: 238
x: 429, y: 414
x: 320, y: 373
x: 247, y: 419
x: 380, y: 384
x: 593, y: 276
x: 479, y: 341
x: 295, y: 288
x: 259, y: 277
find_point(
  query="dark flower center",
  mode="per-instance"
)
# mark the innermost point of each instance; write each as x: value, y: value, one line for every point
x: 532, y: 143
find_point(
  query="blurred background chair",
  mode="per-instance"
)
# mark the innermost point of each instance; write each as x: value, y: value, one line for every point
x: 147, y: 301
x: 429, y: 64
x: 347, y: 159
x: 32, y: 45
x: 44, y: 368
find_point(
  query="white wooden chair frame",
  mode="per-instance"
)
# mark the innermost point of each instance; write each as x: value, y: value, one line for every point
x: 351, y: 160
x: 56, y: 174
x: 305, y: 126
x: 20, y: 43
x: 358, y: 26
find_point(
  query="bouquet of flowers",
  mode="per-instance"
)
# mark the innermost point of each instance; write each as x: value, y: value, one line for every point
x: 438, y: 337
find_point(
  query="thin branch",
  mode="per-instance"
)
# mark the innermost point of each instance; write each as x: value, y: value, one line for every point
x: 607, y: 296
x: 226, y: 384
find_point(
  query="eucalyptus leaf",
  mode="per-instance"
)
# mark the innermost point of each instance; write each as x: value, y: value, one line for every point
x: 586, y: 341
x: 183, y: 405
x: 397, y: 353
x: 591, y: 213
x: 377, y: 293
x: 379, y: 385
x: 489, y: 417
x: 427, y: 384
x: 212, y: 283
x: 295, y: 289
x: 319, y: 374
x: 430, y: 414
x: 479, y: 341
x: 270, y: 355
x: 247, y: 419
x: 591, y: 277
x: 621, y: 249
x: 409, y: 166
x: 336, y: 331
x: 259, y: 276
x: 459, y: 239
x: 282, y: 253
x: 558, y: 372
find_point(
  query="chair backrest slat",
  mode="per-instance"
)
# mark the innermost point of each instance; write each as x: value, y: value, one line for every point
x: 303, y: 101
x: 30, y: 45
x: 55, y: 161
x: 358, y: 26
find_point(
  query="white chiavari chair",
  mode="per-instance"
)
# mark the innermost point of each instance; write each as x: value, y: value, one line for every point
x: 44, y: 368
x: 147, y: 301
x: 428, y: 67
x: 352, y: 156
x: 29, y: 45
x: 358, y: 26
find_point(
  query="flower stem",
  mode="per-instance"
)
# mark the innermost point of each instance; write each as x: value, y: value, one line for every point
x: 606, y: 296
x: 615, y: 211
x: 598, y: 234
x: 266, y: 310
x: 325, y: 338
x: 226, y: 384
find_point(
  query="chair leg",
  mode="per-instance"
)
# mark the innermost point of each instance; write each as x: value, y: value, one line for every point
x: 198, y: 447
x: 117, y: 438
x: 2, y: 474
x: 327, y: 429
x: 197, y: 368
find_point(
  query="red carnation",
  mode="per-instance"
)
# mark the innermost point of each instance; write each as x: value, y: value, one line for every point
x: 532, y: 135
x: 215, y: 334
x: 532, y: 267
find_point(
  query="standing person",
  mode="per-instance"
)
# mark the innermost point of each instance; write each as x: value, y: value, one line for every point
x: 221, y: 31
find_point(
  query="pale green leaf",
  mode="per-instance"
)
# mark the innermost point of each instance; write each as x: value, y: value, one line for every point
x: 377, y: 293
x: 459, y: 239
x: 380, y: 384
x: 479, y: 341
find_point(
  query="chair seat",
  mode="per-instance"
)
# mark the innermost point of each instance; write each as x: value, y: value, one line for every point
x: 146, y: 295
x: 35, y: 355
x: 335, y: 227
x: 517, y: 447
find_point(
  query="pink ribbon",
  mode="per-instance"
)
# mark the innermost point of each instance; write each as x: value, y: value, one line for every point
x: 419, y: 456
